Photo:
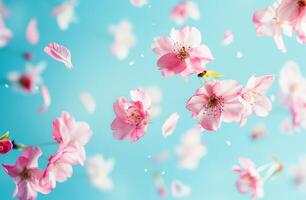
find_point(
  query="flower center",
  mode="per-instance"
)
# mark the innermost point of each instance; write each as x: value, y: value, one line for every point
x: 25, y: 175
x: 301, y: 3
x: 214, y: 106
x: 183, y: 53
x: 134, y: 116
x: 25, y: 82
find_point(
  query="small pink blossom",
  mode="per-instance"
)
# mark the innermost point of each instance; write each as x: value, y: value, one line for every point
x: 138, y: 3
x: 71, y: 136
x: 269, y: 23
x: 29, y: 80
x: 26, y: 174
x: 254, y: 99
x: 182, y: 52
x: 98, y: 170
x: 46, y: 99
x: 216, y: 101
x: 124, y: 39
x: 32, y: 33
x: 191, y: 150
x: 6, y: 144
x: 170, y: 125
x: 249, y: 180
x: 65, y: 14
x: 59, y: 53
x: 132, y: 117
x: 184, y: 10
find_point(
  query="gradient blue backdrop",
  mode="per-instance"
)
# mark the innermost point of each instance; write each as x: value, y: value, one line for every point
x: 100, y: 73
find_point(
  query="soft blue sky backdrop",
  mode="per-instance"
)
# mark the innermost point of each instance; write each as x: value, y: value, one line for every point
x: 100, y: 73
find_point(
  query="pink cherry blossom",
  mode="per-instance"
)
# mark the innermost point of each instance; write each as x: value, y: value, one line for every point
x: 249, y: 180
x: 184, y: 10
x: 180, y: 190
x: 32, y: 33
x: 59, y: 53
x: 98, y: 170
x: 254, y: 99
x: 46, y: 98
x: 124, y: 39
x: 138, y: 3
x: 29, y: 80
x: 27, y: 175
x: 182, y: 52
x: 228, y: 38
x: 268, y: 23
x: 88, y: 101
x: 6, y: 144
x: 65, y: 14
x: 132, y: 117
x: 5, y: 34
x: 191, y: 150
x: 216, y: 101
x: 71, y: 136
x: 170, y: 124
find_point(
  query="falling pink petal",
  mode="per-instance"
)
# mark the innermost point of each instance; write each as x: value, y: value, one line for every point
x: 32, y: 33
x: 228, y: 38
x: 178, y: 189
x: 170, y: 124
x: 88, y: 101
x: 59, y: 53
x: 46, y: 98
x: 286, y: 126
x: 138, y: 3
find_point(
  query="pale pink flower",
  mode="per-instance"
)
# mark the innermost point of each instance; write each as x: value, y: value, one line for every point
x: 184, y: 10
x: 5, y: 34
x: 216, y: 101
x: 132, y: 117
x: 228, y: 38
x: 180, y: 190
x: 46, y: 98
x: 88, y: 101
x: 98, y: 170
x: 182, y: 52
x: 65, y: 14
x: 71, y: 136
x: 254, y: 99
x: 290, y: 78
x: 138, y: 3
x: 124, y: 39
x: 170, y: 124
x: 268, y: 23
x: 59, y: 53
x: 32, y: 33
x: 27, y: 175
x: 249, y: 180
x: 298, y: 172
x: 191, y: 150
x: 28, y: 80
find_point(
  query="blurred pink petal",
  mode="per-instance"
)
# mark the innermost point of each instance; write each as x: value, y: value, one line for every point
x: 286, y: 126
x: 5, y: 34
x: 59, y: 53
x: 258, y: 132
x: 32, y: 33
x: 88, y: 101
x: 183, y: 10
x: 179, y: 190
x: 138, y: 3
x: 228, y: 38
x: 65, y: 14
x: 170, y: 125
x: 46, y: 97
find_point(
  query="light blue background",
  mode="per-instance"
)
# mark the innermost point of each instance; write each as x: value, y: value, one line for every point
x: 100, y: 73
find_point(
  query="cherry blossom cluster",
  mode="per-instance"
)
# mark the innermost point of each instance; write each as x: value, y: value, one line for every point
x: 283, y: 17
x: 71, y: 137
